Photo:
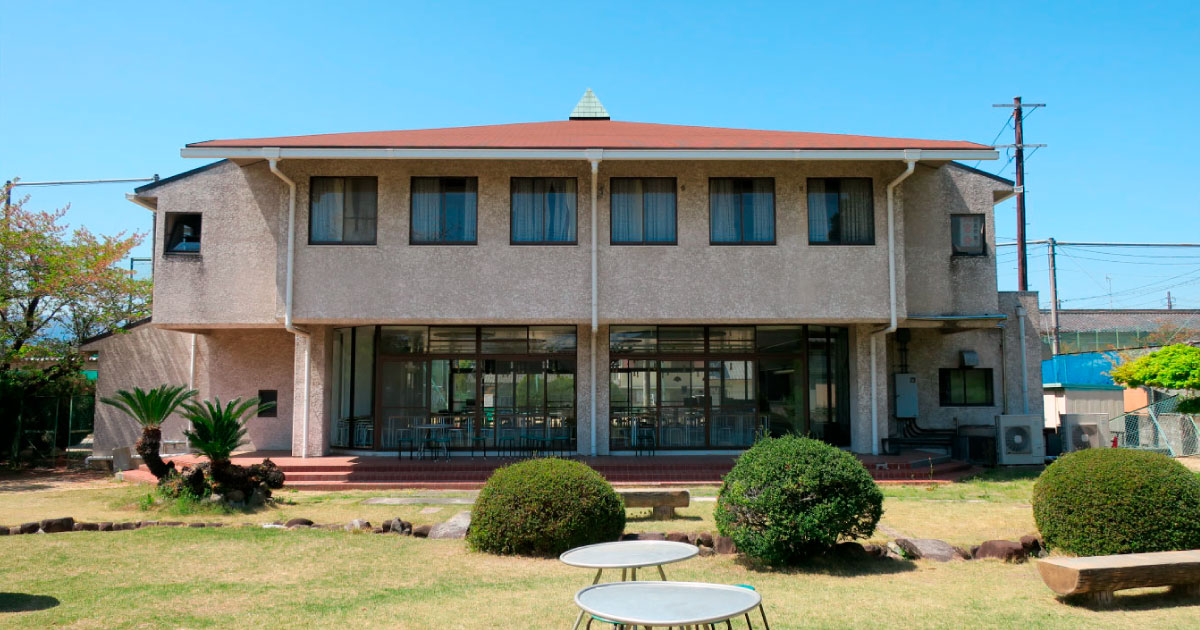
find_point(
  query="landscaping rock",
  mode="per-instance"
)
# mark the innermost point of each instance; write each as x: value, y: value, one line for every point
x: 279, y: 526
x: 724, y: 545
x: 173, y: 524
x: 234, y: 496
x: 58, y: 525
x: 963, y: 554
x: 652, y: 536
x: 926, y: 549
x: 875, y: 551
x: 105, y: 527
x: 257, y: 498
x: 358, y: 524
x: 402, y: 527
x: 378, y: 530
x: 677, y: 537
x: 693, y: 538
x: 149, y: 523
x: 706, y: 551
x: 1033, y: 545
x: 456, y: 527
x: 298, y: 522
x: 128, y: 526
x: 631, y: 536
x: 1005, y: 550
x: 5, y: 531
x: 421, y: 531
x: 851, y: 551
x: 214, y: 524
x: 195, y: 524
x: 30, y: 528
x: 704, y: 539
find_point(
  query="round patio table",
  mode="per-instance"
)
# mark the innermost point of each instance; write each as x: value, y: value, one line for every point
x: 665, y: 604
x: 628, y: 554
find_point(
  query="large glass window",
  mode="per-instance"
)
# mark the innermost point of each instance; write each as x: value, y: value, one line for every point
x: 342, y: 210
x: 543, y: 210
x: 499, y: 387
x: 742, y: 211
x: 841, y: 211
x: 643, y: 210
x: 443, y: 210
x: 738, y: 383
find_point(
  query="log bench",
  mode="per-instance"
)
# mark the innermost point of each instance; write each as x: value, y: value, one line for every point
x: 1098, y: 576
x: 664, y: 502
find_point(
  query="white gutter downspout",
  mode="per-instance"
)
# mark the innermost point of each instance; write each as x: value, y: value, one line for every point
x: 192, y: 365
x: 1024, y: 363
x: 910, y: 159
x: 272, y: 161
x: 594, y: 156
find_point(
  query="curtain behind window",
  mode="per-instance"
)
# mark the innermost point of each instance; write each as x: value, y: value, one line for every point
x: 659, y: 210
x: 819, y: 210
x: 358, y: 224
x: 559, y: 218
x: 543, y: 210
x: 758, y: 211
x: 857, y: 210
x: 626, y: 210
x: 327, y: 204
x: 458, y: 199
x: 526, y: 210
x: 426, y: 210
x: 723, y: 211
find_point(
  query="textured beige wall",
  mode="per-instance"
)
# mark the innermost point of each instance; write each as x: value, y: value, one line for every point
x: 242, y: 362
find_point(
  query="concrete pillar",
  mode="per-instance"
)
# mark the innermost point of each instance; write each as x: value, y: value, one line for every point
x: 860, y: 384
x: 317, y: 349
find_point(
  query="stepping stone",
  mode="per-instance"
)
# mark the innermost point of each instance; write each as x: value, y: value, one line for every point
x: 431, y: 510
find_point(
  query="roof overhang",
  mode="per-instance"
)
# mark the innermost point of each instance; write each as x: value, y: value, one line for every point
x: 319, y: 153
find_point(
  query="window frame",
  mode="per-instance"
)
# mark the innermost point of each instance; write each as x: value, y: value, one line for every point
x: 170, y: 220
x: 411, y: 207
x: 743, y: 242
x: 375, y: 233
x: 644, y: 243
x: 983, y: 248
x: 989, y: 380
x: 512, y: 209
x: 809, y: 210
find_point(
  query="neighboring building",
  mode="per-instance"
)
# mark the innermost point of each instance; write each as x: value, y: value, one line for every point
x: 1080, y: 383
x: 1100, y: 330
x: 589, y: 283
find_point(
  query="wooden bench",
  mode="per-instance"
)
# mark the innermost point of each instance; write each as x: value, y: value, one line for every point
x: 664, y: 502
x: 1099, y: 576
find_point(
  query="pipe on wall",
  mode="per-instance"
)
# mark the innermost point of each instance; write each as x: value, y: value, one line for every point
x: 1024, y: 361
x: 910, y: 165
x: 273, y: 164
x: 594, y: 156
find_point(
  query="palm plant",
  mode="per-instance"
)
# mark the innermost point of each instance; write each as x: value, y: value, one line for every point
x: 151, y: 409
x: 218, y: 429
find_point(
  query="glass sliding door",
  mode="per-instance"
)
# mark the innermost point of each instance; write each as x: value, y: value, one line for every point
x: 404, y: 401
x: 734, y: 414
x: 682, y: 422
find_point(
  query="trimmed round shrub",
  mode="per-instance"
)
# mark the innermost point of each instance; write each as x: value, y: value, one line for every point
x: 1102, y: 501
x: 543, y: 507
x: 791, y: 497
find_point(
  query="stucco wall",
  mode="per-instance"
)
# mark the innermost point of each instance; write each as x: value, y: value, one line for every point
x: 242, y: 362
x: 239, y: 277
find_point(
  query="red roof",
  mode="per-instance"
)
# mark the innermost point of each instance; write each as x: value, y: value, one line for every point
x: 591, y: 134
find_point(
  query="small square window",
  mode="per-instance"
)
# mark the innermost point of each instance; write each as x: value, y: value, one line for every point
x: 965, y: 387
x: 268, y: 396
x: 966, y: 234
x: 183, y: 233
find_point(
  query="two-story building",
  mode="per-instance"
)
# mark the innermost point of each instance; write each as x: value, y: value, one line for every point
x: 586, y: 284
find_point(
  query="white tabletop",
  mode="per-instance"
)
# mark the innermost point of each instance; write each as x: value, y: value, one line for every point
x: 666, y: 603
x: 628, y: 554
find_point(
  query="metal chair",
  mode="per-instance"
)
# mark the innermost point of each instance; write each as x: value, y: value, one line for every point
x: 761, y: 610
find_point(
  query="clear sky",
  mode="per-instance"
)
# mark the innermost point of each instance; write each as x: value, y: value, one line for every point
x: 113, y: 90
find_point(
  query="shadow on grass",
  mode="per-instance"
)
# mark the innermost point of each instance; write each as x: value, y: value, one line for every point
x: 649, y: 518
x: 25, y: 602
x: 1143, y: 600
x: 833, y: 565
x: 23, y: 486
x: 1011, y: 473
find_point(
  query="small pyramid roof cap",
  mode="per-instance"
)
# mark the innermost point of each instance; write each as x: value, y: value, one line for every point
x: 589, y: 108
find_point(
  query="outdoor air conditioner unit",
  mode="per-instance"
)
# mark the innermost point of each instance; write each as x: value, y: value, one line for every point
x: 1019, y: 440
x: 1084, y: 430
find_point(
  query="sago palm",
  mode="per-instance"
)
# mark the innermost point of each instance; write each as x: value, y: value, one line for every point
x: 218, y: 429
x: 151, y: 409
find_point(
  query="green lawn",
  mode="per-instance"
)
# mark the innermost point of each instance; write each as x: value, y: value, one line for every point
x: 253, y: 578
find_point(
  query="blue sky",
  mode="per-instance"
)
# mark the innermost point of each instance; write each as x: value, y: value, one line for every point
x: 113, y: 90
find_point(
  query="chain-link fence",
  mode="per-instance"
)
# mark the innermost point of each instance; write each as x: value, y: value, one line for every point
x: 49, y: 425
x: 1158, y: 427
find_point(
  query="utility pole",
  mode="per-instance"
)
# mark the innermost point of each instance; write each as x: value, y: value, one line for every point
x: 1019, y: 146
x: 1170, y: 304
x: 1053, y: 299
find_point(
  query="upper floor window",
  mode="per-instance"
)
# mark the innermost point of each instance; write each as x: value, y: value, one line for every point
x: 741, y: 211
x: 543, y: 210
x: 342, y: 211
x: 183, y: 233
x: 643, y: 210
x: 841, y: 211
x: 443, y: 210
x: 965, y: 387
x: 966, y: 234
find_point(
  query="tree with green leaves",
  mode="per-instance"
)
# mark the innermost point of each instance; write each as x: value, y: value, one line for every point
x: 60, y: 286
x: 1174, y: 367
x: 151, y: 409
x: 217, y: 431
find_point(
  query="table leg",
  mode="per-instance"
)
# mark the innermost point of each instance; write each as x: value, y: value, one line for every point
x: 577, y: 620
x: 623, y: 570
x: 633, y: 574
x: 661, y: 574
x: 598, y: 572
